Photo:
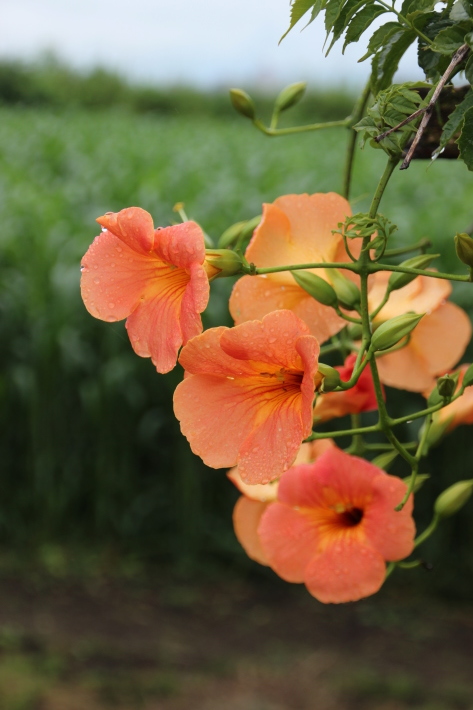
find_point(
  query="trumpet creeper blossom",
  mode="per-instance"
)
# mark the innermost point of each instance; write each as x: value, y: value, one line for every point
x: 247, y: 395
x: 155, y: 278
x: 435, y: 345
x: 458, y: 412
x: 295, y: 229
x: 255, y: 499
x: 359, y: 398
x: 334, y: 526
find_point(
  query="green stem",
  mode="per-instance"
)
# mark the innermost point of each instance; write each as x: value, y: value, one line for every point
x: 373, y: 267
x: 342, y: 432
x: 357, y: 114
x: 256, y: 270
x: 405, y: 21
x: 427, y: 532
x: 298, y: 129
x: 388, y: 171
x: 421, y: 245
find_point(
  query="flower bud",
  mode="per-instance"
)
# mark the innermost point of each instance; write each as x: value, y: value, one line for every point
x: 316, y: 287
x: 398, y: 279
x: 446, y: 386
x: 289, y: 96
x: 452, y: 499
x: 436, y: 432
x: 331, y: 377
x: 464, y: 247
x: 242, y: 102
x: 393, y: 330
x: 347, y: 293
x: 222, y: 262
x: 355, y: 331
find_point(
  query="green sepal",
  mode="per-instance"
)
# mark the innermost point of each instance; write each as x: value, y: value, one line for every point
x: 331, y: 377
x: 316, y: 287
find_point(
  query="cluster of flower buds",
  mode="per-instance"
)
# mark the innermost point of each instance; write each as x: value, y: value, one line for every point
x: 254, y: 393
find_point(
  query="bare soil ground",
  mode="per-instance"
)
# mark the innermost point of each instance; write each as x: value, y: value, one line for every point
x: 227, y: 646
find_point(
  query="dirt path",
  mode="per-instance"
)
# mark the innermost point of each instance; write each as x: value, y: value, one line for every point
x: 227, y: 646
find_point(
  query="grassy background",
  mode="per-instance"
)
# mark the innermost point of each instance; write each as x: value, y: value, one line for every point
x: 91, y: 456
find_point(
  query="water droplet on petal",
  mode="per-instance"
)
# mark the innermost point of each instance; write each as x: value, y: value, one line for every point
x: 111, y: 306
x: 96, y: 281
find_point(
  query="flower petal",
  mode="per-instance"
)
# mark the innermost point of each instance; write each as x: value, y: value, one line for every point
x: 436, y: 345
x: 246, y: 518
x: 422, y: 295
x: 114, y: 277
x: 203, y: 355
x: 181, y: 244
x: 391, y: 532
x: 346, y: 570
x: 289, y: 541
x: 133, y: 226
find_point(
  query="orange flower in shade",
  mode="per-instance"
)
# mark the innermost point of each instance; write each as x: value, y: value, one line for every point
x: 360, y: 398
x: 334, y: 526
x: 247, y: 395
x: 295, y: 229
x: 436, y: 344
x: 153, y: 277
x: 458, y: 412
x: 255, y: 499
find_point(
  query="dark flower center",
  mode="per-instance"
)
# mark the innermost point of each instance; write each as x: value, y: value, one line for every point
x: 351, y: 517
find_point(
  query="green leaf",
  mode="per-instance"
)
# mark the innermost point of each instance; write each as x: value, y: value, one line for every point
x: 386, y: 61
x: 449, y: 40
x: 469, y: 69
x: 454, y: 121
x: 461, y: 10
x: 361, y: 22
x: 298, y: 10
x: 410, y: 6
x: 381, y: 37
x: 332, y: 11
x: 465, y: 141
x: 342, y: 20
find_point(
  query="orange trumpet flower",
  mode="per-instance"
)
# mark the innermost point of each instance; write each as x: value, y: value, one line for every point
x: 435, y: 345
x: 334, y: 526
x: 295, y: 229
x: 153, y: 277
x: 247, y: 395
x: 458, y: 412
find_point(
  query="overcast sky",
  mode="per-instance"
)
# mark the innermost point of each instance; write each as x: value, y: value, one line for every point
x: 210, y: 43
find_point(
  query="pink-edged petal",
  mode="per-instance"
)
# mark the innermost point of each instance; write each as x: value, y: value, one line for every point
x: 194, y: 301
x: 273, y: 444
x: 350, y: 477
x: 133, y: 226
x: 115, y: 278
x: 391, y: 532
x: 289, y: 541
x: 216, y: 415
x: 246, y: 518
x: 181, y: 244
x: 271, y: 340
x: 347, y: 570
x: 204, y: 356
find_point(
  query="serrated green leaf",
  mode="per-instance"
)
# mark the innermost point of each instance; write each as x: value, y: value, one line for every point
x: 360, y: 23
x: 333, y: 9
x: 381, y: 37
x: 318, y: 7
x: 460, y: 11
x: 340, y: 23
x: 465, y: 141
x: 449, y: 40
x: 298, y: 10
x: 410, y: 6
x: 469, y: 70
x: 454, y: 121
x: 386, y: 61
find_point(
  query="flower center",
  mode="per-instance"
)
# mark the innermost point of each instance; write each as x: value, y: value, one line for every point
x: 351, y: 517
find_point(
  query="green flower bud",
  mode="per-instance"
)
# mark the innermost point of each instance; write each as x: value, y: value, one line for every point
x: 242, y: 102
x: 436, y: 432
x: 347, y: 293
x: 421, y: 478
x: 446, y: 386
x: 355, y: 331
x: 331, y: 377
x: 222, y: 262
x: 392, y: 331
x: 464, y: 247
x: 452, y: 499
x: 316, y: 287
x: 398, y: 280
x: 289, y: 96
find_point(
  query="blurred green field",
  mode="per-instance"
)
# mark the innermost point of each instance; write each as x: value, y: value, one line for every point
x: 91, y: 457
